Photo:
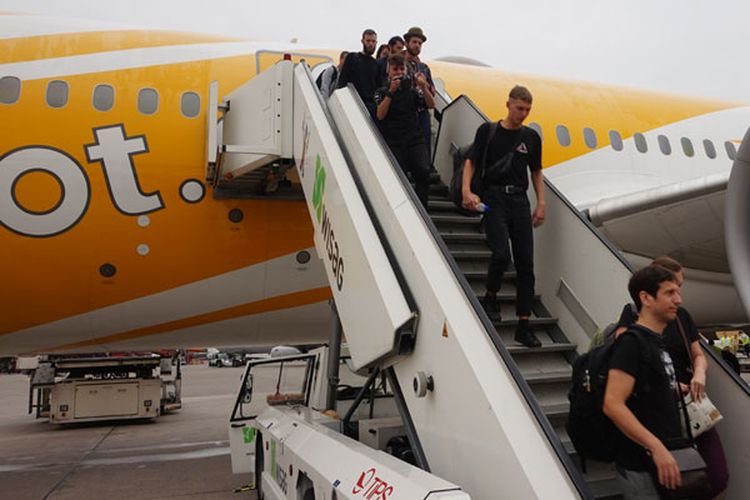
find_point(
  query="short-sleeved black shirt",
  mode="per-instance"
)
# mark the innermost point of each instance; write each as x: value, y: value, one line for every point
x: 528, y: 153
x: 400, y: 127
x: 675, y: 345
x: 362, y: 71
x: 654, y: 399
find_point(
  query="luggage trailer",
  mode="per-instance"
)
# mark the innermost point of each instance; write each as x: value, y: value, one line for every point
x: 90, y: 389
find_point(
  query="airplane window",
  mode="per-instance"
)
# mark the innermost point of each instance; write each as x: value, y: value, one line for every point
x: 148, y: 101
x: 537, y: 128
x: 104, y: 97
x: 640, y: 142
x: 615, y: 139
x: 590, y: 137
x: 57, y: 94
x: 664, y: 145
x: 563, y: 136
x: 10, y: 89
x: 731, y: 150
x: 190, y: 104
x: 710, y: 149
x: 687, y: 147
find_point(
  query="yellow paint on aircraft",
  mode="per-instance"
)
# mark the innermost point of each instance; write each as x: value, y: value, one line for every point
x: 75, y: 44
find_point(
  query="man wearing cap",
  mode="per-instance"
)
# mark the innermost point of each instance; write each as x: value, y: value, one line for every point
x: 361, y: 70
x: 414, y: 39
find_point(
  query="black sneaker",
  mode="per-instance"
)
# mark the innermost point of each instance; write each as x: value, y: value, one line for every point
x: 525, y: 336
x: 492, y: 308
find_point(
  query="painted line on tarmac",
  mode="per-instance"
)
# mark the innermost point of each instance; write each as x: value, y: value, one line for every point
x: 135, y: 459
x: 164, y: 447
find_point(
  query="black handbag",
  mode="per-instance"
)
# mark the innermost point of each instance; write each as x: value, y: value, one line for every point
x: 477, y: 180
x: 503, y: 165
x: 695, y: 483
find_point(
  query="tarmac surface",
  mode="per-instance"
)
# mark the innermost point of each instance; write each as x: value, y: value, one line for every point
x: 183, y: 455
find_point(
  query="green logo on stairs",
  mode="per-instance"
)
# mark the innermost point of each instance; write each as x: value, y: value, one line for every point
x: 319, y: 187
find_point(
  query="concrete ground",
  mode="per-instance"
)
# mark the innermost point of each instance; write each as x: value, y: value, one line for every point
x: 184, y: 455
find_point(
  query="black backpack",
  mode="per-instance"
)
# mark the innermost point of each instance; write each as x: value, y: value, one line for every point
x: 593, y: 434
x: 459, y: 157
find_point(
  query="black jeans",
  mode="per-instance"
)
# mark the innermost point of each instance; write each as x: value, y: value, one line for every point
x: 414, y: 159
x: 510, y: 217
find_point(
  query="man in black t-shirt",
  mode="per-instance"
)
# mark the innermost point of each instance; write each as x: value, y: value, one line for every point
x: 509, y: 214
x: 681, y: 341
x: 361, y: 69
x: 398, y: 121
x: 641, y: 394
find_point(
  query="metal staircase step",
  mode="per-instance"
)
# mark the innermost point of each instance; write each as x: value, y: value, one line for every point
x: 440, y: 204
x: 439, y: 189
x: 548, y: 378
x: 482, y: 275
x: 463, y: 237
x: 471, y: 254
x: 606, y: 489
x: 533, y: 322
x: 545, y: 348
x: 456, y: 219
x: 556, y: 412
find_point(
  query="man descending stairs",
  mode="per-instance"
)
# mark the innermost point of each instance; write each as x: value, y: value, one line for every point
x: 546, y: 367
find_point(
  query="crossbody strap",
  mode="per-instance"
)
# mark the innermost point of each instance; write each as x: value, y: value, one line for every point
x: 684, y: 411
x: 493, y: 131
x: 685, y: 341
x: 490, y: 135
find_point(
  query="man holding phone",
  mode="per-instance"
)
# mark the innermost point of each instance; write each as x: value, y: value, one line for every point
x: 397, y: 106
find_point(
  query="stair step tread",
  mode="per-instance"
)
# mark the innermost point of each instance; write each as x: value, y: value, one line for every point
x: 548, y: 321
x: 456, y: 219
x: 548, y: 377
x: 441, y: 204
x: 475, y: 275
x: 471, y: 254
x: 606, y: 489
x: 545, y: 348
x: 463, y: 237
x: 556, y: 410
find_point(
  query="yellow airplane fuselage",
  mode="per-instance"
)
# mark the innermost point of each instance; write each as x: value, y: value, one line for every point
x: 111, y: 224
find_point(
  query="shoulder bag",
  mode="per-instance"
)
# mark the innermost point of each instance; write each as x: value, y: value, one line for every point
x: 703, y: 415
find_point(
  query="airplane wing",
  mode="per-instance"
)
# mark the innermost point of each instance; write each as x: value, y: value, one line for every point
x: 684, y: 220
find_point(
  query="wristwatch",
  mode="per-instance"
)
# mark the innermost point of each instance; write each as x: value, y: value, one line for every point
x: 388, y: 93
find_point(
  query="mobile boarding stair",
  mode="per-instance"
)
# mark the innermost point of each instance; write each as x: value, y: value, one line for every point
x: 481, y: 412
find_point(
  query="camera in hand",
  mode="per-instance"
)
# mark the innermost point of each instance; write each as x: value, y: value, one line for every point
x: 406, y: 83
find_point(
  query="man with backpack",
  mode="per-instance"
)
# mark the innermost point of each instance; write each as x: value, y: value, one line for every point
x: 327, y: 80
x: 641, y: 389
x: 501, y: 160
x: 361, y: 70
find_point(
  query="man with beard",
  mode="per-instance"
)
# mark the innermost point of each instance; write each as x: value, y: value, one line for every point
x: 414, y: 39
x: 361, y: 69
x: 395, y: 46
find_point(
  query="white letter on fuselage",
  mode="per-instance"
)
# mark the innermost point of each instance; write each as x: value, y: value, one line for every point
x: 74, y: 195
x: 115, y: 152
